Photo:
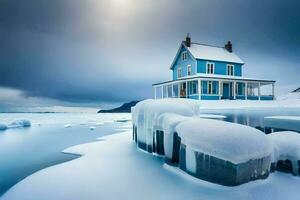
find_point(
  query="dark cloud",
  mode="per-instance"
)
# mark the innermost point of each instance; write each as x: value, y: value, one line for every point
x: 103, y: 51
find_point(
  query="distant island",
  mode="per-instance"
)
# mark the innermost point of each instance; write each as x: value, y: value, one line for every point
x: 125, y: 108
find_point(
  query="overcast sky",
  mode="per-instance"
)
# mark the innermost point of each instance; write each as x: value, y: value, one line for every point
x: 95, y: 53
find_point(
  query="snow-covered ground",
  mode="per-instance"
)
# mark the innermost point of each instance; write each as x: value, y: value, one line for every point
x: 114, y: 169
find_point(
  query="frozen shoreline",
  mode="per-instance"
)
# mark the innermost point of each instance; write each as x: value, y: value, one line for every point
x: 115, y: 160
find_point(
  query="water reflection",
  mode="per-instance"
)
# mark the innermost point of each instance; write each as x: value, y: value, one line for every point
x: 252, y: 117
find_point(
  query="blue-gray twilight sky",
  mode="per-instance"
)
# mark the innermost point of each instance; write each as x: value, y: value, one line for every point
x: 96, y: 53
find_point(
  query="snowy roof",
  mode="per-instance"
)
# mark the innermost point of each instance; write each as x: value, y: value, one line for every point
x: 208, y: 52
x: 228, y: 141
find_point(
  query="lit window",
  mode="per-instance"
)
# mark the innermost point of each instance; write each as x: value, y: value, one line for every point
x: 189, y: 70
x: 179, y: 72
x: 210, y: 68
x: 230, y: 70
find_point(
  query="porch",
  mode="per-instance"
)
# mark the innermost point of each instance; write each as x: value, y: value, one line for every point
x: 216, y: 87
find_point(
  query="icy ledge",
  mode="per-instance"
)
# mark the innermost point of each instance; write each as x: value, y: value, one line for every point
x: 213, y: 150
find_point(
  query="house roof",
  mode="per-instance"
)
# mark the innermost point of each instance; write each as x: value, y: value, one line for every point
x: 209, y: 52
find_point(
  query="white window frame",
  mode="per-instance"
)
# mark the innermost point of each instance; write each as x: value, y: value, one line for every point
x: 228, y: 70
x: 184, y: 55
x: 210, y: 68
x: 210, y: 89
x: 179, y: 70
x: 189, y: 70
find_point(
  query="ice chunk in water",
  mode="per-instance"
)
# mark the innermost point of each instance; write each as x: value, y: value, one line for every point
x: 20, y: 123
x: 3, y: 127
x: 68, y: 126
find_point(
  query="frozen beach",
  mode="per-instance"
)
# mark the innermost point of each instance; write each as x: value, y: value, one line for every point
x: 24, y: 151
x: 113, y: 168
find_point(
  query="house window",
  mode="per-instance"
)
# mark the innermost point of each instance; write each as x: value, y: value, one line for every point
x: 230, y: 70
x: 184, y: 55
x: 210, y: 87
x: 210, y: 68
x: 194, y: 87
x: 179, y: 72
x: 189, y: 70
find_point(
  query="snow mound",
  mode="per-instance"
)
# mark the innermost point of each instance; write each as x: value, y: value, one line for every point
x: 228, y: 141
x: 3, y: 127
x: 20, y: 123
x: 92, y: 128
x: 286, y: 145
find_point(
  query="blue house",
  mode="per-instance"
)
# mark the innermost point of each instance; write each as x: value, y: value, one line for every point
x: 206, y: 72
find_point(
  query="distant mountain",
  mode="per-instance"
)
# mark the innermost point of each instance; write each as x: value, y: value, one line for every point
x: 125, y: 108
x: 297, y: 90
x: 294, y: 95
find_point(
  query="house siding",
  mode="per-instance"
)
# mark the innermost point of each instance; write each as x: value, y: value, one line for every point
x: 205, y: 87
x: 220, y: 67
x: 183, y: 64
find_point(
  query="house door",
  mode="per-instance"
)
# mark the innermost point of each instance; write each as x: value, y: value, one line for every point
x: 183, y: 89
x: 226, y: 91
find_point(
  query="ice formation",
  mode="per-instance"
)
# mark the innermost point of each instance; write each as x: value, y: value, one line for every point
x: 286, y: 153
x: 146, y: 113
x: 228, y: 141
x: 68, y: 125
x: 3, y: 127
x: 20, y: 123
x: 210, y: 149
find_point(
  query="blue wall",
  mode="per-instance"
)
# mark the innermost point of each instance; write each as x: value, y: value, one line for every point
x: 199, y: 66
x: 204, y: 85
x: 183, y: 64
x: 220, y: 67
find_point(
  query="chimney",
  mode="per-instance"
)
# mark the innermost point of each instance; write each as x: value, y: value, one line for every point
x: 188, y: 40
x: 228, y: 46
